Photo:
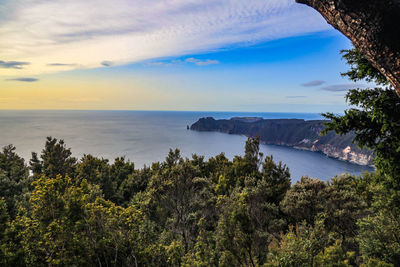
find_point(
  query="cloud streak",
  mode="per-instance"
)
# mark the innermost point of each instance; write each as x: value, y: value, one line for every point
x: 200, y: 62
x: 24, y: 79
x: 61, y: 65
x: 107, y: 63
x: 13, y: 64
x: 190, y: 60
x: 342, y: 87
x: 313, y: 83
x: 125, y: 31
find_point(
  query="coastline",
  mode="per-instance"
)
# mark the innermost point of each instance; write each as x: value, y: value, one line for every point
x: 275, y: 132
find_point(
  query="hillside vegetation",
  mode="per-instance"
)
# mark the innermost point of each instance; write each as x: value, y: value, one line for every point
x: 189, y: 212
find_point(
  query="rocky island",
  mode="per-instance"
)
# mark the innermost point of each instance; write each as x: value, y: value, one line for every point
x: 296, y: 133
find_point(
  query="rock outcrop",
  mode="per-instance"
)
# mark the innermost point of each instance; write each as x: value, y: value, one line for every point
x: 296, y: 133
x: 373, y: 28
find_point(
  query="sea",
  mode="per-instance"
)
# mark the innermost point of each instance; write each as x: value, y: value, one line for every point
x: 144, y: 137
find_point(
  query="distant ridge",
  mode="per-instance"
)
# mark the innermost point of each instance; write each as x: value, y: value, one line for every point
x: 296, y: 133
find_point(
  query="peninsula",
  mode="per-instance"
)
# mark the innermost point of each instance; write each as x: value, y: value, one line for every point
x: 296, y: 133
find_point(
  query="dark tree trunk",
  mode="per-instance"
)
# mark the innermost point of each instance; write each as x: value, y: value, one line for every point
x: 372, y: 25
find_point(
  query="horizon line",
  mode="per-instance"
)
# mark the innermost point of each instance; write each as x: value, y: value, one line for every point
x: 161, y: 110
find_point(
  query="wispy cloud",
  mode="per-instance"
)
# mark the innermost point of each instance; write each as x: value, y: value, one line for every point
x: 296, y: 96
x: 190, y: 60
x: 200, y: 62
x: 342, y: 87
x: 107, y: 63
x: 24, y: 79
x: 61, y: 65
x: 313, y: 83
x: 13, y: 64
x: 138, y: 30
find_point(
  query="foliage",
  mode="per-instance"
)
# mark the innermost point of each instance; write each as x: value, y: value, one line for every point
x: 299, y: 246
x: 305, y: 200
x: 334, y: 256
x: 14, y: 179
x: 190, y: 212
x: 374, y: 117
x: 55, y: 160
x: 361, y: 68
x: 377, y: 126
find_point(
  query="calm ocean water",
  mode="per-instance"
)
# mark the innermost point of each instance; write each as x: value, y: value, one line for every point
x: 146, y: 136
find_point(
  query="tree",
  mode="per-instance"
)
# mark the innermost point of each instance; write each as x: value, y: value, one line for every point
x: 379, y: 233
x: 236, y: 232
x: 179, y: 197
x: 379, y: 237
x: 14, y: 179
x: 372, y: 27
x: 334, y: 256
x: 66, y: 227
x: 250, y: 216
x: 277, y: 179
x: 204, y: 252
x: 344, y: 207
x: 55, y: 160
x: 4, y: 218
x: 361, y: 68
x: 305, y: 200
x: 375, y: 118
x: 299, y: 246
x: 252, y: 155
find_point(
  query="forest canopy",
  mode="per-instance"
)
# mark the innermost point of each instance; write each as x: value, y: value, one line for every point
x: 58, y: 210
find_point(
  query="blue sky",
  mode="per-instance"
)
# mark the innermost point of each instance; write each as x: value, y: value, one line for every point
x: 267, y: 56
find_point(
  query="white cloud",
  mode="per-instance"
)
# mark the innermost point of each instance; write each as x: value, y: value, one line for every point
x: 121, y: 31
x: 200, y: 62
x: 190, y: 60
x: 207, y: 62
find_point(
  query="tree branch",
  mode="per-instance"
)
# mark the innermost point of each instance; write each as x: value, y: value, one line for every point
x: 372, y: 26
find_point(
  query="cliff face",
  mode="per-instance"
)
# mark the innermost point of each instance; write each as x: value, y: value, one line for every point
x: 295, y: 133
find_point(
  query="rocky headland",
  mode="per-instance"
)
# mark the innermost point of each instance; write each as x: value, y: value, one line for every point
x: 296, y: 133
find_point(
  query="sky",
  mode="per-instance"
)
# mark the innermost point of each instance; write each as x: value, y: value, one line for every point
x: 210, y: 55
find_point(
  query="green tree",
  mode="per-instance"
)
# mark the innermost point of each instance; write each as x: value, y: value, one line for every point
x: 305, y: 200
x: 250, y: 216
x: 179, y: 197
x: 374, y: 117
x: 14, y: 179
x: 55, y: 159
x: 3, y: 227
x: 299, y: 246
x: 379, y: 237
x: 344, y: 207
x: 252, y: 155
x: 204, y: 253
x: 361, y: 68
x: 334, y: 256
x: 379, y: 234
x: 277, y: 179
x: 66, y: 227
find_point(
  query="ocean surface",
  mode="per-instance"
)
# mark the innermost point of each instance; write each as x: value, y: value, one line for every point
x: 146, y: 136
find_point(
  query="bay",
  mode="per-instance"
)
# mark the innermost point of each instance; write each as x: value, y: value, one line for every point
x: 146, y: 136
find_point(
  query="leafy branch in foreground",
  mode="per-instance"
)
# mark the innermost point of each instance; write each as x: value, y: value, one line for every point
x: 374, y: 117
